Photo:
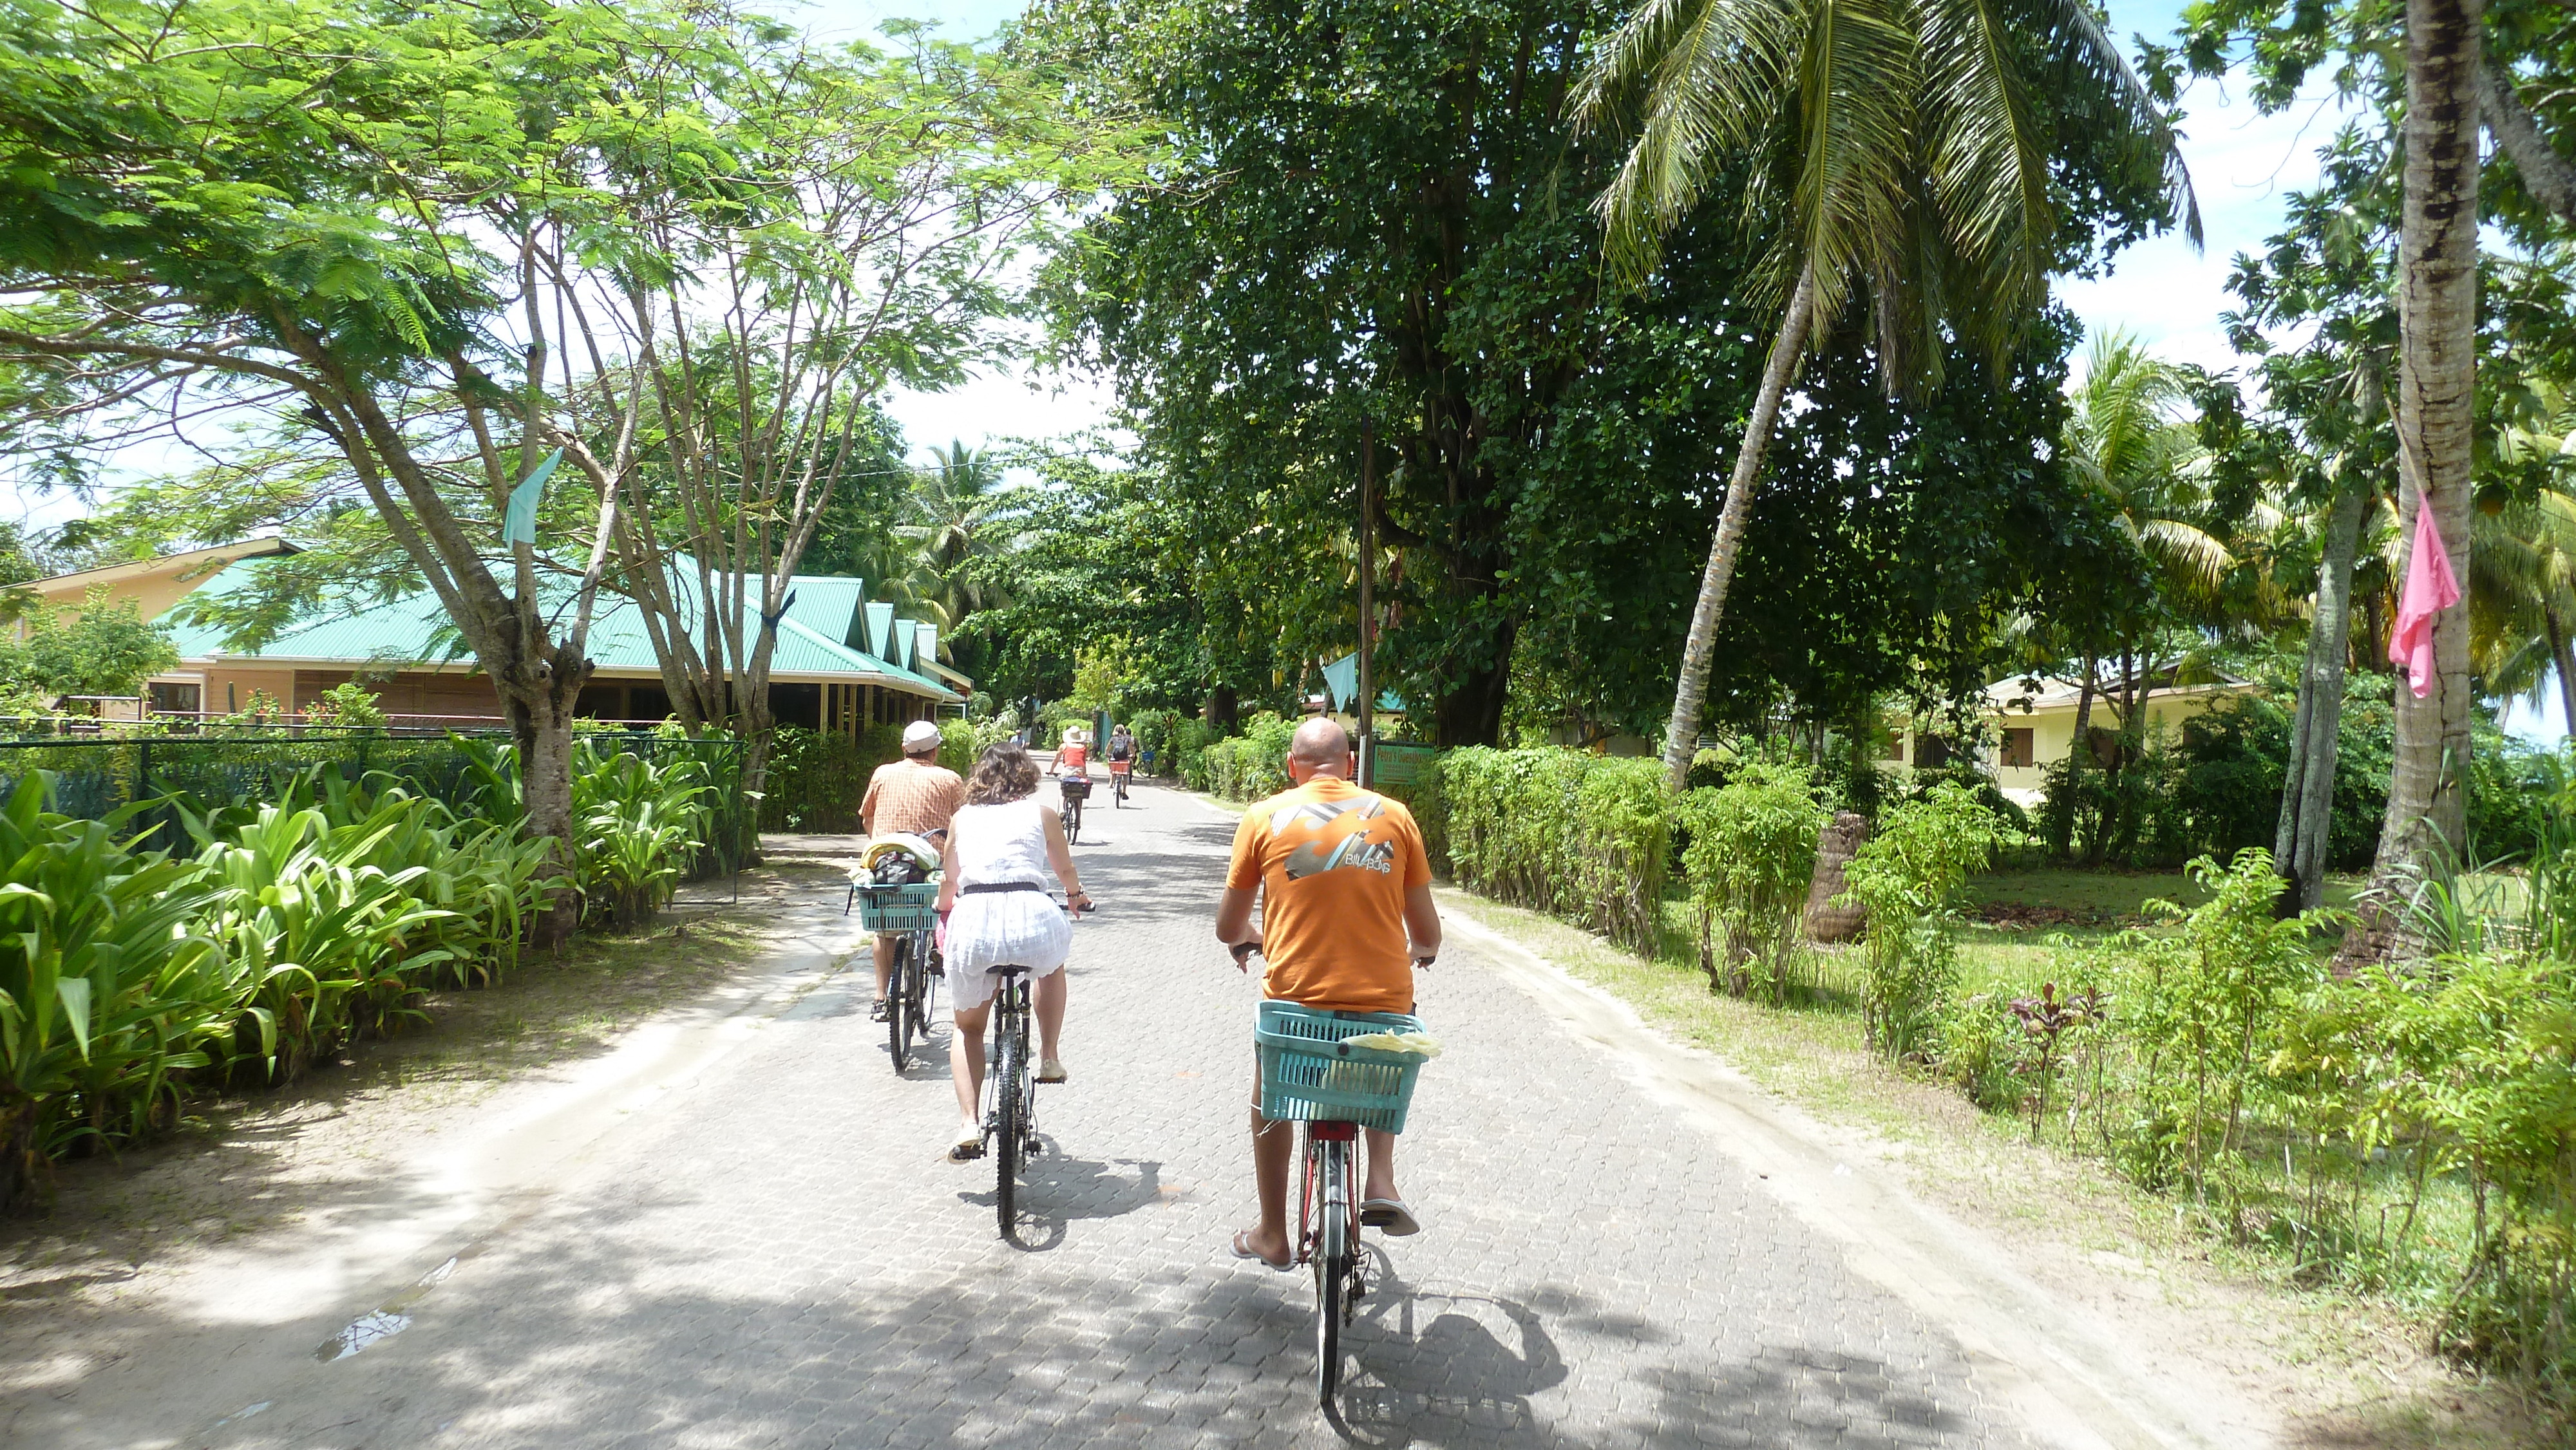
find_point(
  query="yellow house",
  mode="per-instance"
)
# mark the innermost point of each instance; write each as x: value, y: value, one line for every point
x: 2034, y: 722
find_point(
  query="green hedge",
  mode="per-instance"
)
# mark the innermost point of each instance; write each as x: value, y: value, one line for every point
x: 1580, y: 836
x: 816, y: 778
x: 1250, y: 766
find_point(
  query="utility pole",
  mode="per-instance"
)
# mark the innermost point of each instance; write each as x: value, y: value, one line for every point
x: 1368, y: 601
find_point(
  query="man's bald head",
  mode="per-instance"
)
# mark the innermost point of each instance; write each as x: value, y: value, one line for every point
x: 1322, y: 747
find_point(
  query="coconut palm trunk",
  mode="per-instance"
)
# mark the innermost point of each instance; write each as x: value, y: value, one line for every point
x: 2562, y: 657
x: 2300, y: 846
x: 2438, y: 297
x: 1699, y: 648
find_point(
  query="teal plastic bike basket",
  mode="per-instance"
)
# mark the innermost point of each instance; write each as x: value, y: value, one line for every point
x: 1309, y: 1074
x: 899, y: 908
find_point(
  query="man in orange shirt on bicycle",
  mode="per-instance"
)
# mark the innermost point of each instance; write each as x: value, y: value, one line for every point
x: 1346, y: 915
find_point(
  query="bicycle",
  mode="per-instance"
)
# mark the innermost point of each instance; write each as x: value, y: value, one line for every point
x: 1011, y: 1093
x: 1120, y: 771
x: 909, y: 913
x: 1311, y: 1075
x: 1073, y: 790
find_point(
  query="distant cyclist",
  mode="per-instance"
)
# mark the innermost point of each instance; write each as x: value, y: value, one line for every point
x: 1346, y: 911
x: 912, y: 796
x: 1122, y: 746
x: 1073, y: 755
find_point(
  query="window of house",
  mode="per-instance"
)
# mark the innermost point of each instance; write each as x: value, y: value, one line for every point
x: 2020, y: 749
x: 176, y: 699
x: 1896, y: 745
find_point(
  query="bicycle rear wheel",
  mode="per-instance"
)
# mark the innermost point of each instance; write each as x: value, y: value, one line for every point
x: 1333, y: 1250
x: 1010, y: 1109
x: 900, y: 1015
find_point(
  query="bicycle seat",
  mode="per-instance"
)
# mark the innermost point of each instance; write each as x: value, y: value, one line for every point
x: 1005, y: 971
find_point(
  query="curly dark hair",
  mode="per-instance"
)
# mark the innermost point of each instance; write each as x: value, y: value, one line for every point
x: 1004, y: 773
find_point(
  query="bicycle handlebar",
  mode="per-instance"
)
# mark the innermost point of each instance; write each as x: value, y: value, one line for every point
x: 1244, y: 950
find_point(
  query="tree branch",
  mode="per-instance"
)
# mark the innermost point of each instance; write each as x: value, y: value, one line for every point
x: 2548, y: 176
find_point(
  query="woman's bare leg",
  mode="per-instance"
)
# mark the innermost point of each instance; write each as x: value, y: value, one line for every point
x: 966, y: 1062
x: 1048, y: 997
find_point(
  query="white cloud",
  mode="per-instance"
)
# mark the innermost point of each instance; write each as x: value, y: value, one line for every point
x: 2244, y: 166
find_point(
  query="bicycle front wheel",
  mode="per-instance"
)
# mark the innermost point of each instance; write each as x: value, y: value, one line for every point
x: 1011, y: 1126
x: 925, y: 983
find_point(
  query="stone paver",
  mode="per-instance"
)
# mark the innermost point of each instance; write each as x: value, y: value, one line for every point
x: 782, y: 1258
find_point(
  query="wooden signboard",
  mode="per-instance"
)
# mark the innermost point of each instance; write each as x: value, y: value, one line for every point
x: 1400, y: 765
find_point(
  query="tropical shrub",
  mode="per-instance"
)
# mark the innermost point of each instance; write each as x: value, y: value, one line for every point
x: 106, y: 647
x: 346, y: 703
x: 1253, y: 765
x: 639, y: 824
x: 1750, y: 853
x: 1908, y: 876
x: 107, y: 986
x: 1580, y: 836
x: 1172, y: 737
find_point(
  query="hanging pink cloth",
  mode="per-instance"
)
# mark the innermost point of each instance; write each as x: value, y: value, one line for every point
x: 2430, y: 589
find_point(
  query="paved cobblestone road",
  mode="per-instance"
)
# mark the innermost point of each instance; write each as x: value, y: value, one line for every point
x: 780, y: 1257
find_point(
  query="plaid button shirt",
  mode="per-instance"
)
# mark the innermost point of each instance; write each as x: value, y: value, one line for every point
x: 908, y: 797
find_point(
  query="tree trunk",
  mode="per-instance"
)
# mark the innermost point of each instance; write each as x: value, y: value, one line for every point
x: 1224, y: 707
x: 1835, y: 845
x: 2437, y: 378
x: 2300, y: 847
x: 1690, y: 692
x: 541, y: 727
x: 1472, y: 712
x: 2081, y: 747
x: 2562, y: 657
x: 2549, y: 177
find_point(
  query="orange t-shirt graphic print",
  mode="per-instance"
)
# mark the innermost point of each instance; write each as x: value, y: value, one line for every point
x: 1333, y: 863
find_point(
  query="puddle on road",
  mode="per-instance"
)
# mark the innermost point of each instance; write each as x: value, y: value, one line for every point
x: 388, y: 1319
x: 370, y: 1330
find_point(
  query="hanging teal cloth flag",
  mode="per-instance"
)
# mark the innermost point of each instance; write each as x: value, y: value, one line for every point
x: 519, y: 525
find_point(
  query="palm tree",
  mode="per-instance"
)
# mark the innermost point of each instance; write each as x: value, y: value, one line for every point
x: 957, y: 516
x: 2129, y: 439
x: 2437, y: 285
x: 2522, y: 558
x: 1895, y: 151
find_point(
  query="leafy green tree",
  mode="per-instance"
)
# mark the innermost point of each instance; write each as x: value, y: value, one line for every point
x: 242, y: 210
x: 1373, y: 234
x: 105, y: 647
x: 869, y: 206
x: 1907, y: 153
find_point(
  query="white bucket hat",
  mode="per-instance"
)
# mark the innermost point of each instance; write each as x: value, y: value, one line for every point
x: 918, y: 736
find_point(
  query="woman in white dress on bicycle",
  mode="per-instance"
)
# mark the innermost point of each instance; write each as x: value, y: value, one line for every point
x: 1000, y: 847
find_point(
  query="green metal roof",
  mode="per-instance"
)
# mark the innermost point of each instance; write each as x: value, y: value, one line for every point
x: 817, y: 635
